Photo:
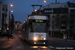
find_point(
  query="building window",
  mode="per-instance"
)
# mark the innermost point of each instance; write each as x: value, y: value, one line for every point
x: 6, y: 10
x: 58, y: 15
x: 63, y: 27
x: 63, y: 22
x: 3, y: 15
x: 2, y: 19
x: 3, y: 9
x: 71, y: 22
x: 53, y: 17
x: 57, y: 27
x: 72, y: 11
x: 48, y: 11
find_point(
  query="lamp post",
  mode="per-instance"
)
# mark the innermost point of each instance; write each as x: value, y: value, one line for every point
x: 45, y: 1
x: 35, y: 5
x: 11, y: 10
x: 35, y: 10
x: 11, y: 5
x: 51, y: 18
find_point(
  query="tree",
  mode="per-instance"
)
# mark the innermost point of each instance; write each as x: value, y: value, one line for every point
x: 12, y: 22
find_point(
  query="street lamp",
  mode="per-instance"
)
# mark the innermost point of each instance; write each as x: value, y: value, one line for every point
x: 35, y: 10
x: 11, y: 10
x: 45, y: 1
x: 11, y: 5
x: 51, y: 18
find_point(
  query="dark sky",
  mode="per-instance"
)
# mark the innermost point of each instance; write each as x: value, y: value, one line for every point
x: 21, y: 8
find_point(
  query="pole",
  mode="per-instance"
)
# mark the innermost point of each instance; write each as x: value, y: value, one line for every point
x: 56, y: 1
x: 35, y: 5
x: 51, y: 25
x: 33, y: 9
x: 51, y: 19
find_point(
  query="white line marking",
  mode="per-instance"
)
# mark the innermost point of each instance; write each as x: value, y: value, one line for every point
x: 18, y: 46
x: 51, y: 47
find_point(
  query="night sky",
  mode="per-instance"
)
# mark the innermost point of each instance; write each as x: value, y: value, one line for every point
x: 21, y: 8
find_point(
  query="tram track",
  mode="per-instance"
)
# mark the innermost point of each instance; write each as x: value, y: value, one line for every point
x: 39, y: 47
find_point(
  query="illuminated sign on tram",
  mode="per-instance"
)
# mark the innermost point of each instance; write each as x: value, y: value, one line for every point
x: 38, y: 20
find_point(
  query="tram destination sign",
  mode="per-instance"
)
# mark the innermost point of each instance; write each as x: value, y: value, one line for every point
x: 38, y: 20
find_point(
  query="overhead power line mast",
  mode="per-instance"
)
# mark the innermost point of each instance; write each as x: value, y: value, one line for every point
x: 55, y: 1
x: 36, y: 5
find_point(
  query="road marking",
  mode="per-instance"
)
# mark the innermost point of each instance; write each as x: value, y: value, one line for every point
x: 51, y: 47
x: 19, y: 47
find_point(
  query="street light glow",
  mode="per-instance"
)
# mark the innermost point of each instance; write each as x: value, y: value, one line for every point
x: 11, y: 10
x: 35, y: 10
x: 45, y: 1
x: 11, y: 5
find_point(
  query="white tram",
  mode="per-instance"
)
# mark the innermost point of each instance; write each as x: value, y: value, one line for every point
x: 35, y: 29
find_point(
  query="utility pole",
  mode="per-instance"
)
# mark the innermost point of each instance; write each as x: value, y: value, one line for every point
x: 35, y: 5
x: 55, y: 1
x: 51, y: 20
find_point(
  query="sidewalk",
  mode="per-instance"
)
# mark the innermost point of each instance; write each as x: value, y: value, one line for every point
x: 11, y: 44
x: 6, y: 44
x: 17, y: 45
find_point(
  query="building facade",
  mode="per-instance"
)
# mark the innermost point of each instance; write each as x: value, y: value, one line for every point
x: 0, y: 14
x: 4, y: 15
x: 18, y: 25
x: 61, y: 17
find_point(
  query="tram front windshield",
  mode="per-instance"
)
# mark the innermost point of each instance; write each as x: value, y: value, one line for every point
x: 38, y: 27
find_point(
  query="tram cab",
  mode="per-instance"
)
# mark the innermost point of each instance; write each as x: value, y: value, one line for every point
x: 36, y: 29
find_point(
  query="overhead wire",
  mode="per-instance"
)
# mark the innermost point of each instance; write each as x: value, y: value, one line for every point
x: 38, y: 2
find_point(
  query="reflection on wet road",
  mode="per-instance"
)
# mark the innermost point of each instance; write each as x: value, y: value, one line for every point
x: 17, y: 43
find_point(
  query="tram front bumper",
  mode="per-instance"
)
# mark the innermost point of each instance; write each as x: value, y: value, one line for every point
x: 38, y: 41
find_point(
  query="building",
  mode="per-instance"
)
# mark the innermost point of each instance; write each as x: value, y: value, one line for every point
x: 18, y: 25
x: 61, y: 17
x: 0, y: 14
x: 4, y: 15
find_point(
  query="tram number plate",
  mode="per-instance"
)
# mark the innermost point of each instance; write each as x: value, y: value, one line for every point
x: 39, y: 37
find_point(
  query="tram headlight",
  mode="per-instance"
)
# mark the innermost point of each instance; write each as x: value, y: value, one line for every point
x: 35, y: 38
x: 44, y: 38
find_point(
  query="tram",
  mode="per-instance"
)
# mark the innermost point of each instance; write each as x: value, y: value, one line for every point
x: 35, y: 29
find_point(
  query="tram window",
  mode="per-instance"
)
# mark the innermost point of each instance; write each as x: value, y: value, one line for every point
x: 31, y: 28
x: 38, y: 27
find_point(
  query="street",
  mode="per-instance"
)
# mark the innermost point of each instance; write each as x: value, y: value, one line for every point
x: 17, y: 43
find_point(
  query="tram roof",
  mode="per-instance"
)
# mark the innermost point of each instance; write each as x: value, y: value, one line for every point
x: 42, y: 17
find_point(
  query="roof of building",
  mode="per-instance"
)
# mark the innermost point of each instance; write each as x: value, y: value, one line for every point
x: 55, y: 5
x: 71, y: 5
x: 59, y: 5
